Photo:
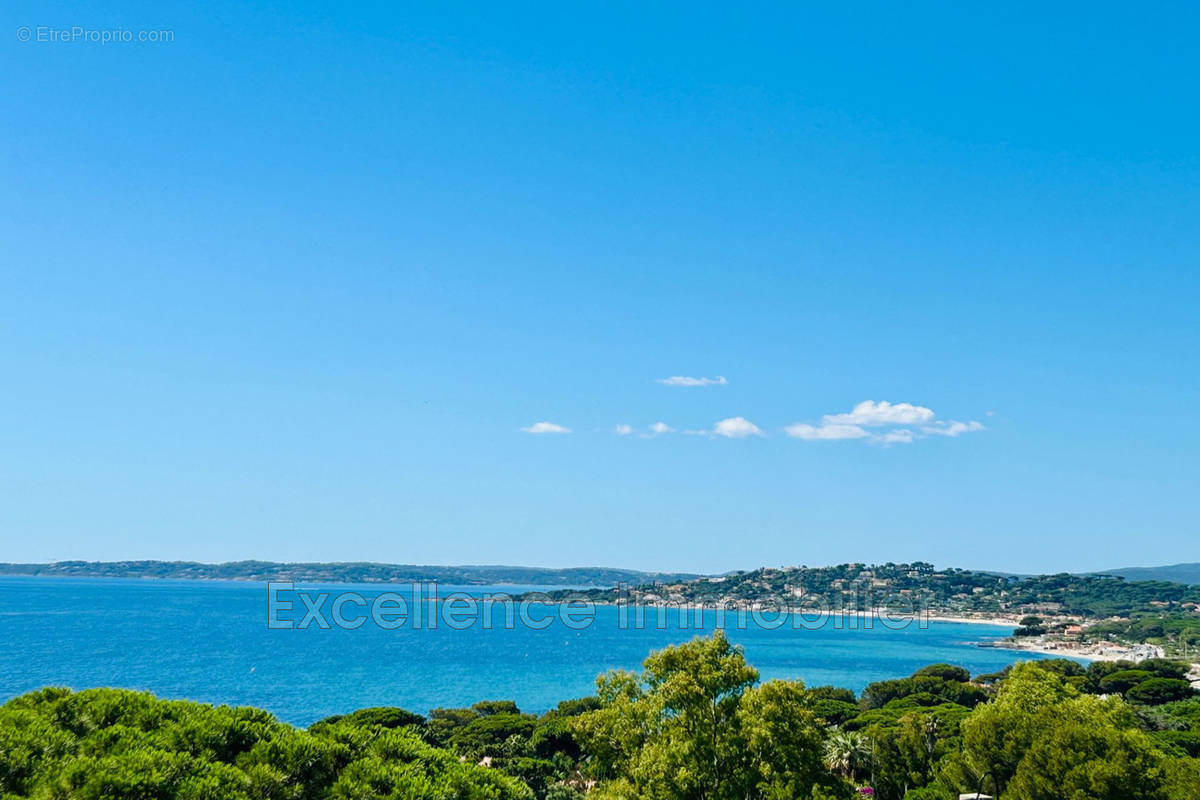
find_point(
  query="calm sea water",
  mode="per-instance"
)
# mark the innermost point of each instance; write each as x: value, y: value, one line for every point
x: 209, y: 641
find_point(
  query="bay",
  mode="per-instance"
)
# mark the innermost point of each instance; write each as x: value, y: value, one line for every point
x: 210, y: 642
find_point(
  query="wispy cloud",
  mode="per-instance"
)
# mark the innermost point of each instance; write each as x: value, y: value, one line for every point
x: 881, y: 423
x: 684, y: 380
x: 736, y: 428
x: 953, y: 428
x: 546, y: 427
x: 812, y: 433
x: 657, y: 429
x: 898, y: 436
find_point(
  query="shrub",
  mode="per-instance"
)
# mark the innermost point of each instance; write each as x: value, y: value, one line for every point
x: 947, y: 672
x: 1156, y: 691
x: 929, y: 793
x: 1185, y: 743
x: 1124, y: 680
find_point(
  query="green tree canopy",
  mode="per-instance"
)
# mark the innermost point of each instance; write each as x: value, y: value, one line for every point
x: 693, y: 726
x: 110, y: 744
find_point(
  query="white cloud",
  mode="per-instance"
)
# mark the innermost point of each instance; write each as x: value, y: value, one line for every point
x: 888, y: 417
x: 736, y: 428
x: 899, y: 436
x: 684, y: 380
x: 953, y: 428
x: 659, y: 428
x: 872, y: 414
x: 546, y: 427
x: 812, y: 433
x: 624, y: 430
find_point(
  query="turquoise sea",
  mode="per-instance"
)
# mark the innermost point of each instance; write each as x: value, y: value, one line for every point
x: 210, y: 641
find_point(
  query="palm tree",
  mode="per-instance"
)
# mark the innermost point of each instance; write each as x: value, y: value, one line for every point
x: 847, y: 753
x: 932, y: 727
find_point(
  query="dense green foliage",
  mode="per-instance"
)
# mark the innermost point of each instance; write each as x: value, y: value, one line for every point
x: 694, y: 724
x: 109, y: 744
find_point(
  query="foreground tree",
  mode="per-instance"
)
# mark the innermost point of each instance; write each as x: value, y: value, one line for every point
x: 1041, y: 740
x: 693, y: 726
x: 1090, y: 748
x: 997, y: 734
x: 848, y: 753
x: 782, y: 741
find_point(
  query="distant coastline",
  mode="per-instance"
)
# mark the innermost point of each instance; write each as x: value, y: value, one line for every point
x: 346, y: 572
x: 1079, y: 616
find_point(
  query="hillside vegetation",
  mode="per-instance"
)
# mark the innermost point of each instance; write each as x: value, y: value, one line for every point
x: 695, y: 724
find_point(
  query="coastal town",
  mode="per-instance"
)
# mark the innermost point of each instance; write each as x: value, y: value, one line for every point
x: 1086, y: 617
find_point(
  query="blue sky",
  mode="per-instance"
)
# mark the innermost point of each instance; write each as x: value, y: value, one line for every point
x: 292, y: 285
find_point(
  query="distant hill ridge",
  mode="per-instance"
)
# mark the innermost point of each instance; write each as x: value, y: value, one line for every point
x: 1174, y: 573
x: 345, y: 572
x: 374, y: 572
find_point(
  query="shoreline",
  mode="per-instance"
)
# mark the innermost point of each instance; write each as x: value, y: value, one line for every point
x: 883, y: 615
x: 1062, y: 652
x: 1090, y: 652
x: 1002, y: 622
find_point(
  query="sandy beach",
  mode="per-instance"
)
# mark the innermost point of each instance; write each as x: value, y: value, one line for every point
x: 1083, y: 653
x: 1006, y: 622
x: 1090, y: 652
x: 880, y: 614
